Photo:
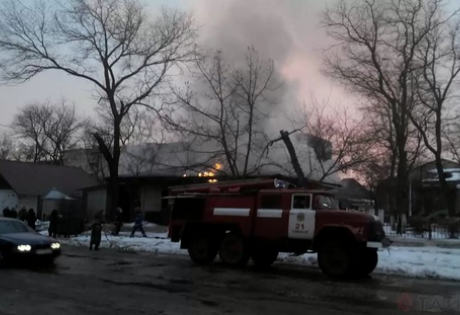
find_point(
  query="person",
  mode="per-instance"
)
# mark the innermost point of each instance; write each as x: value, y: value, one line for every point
x: 31, y: 219
x: 118, y: 222
x: 52, y: 229
x: 96, y: 230
x: 138, y: 223
x: 23, y: 214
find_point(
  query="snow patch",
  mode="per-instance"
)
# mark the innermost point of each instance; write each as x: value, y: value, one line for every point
x: 421, y: 262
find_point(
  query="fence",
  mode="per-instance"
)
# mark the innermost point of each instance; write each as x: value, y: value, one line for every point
x: 433, y: 231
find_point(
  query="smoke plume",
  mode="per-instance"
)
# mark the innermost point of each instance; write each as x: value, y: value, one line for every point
x: 288, y: 32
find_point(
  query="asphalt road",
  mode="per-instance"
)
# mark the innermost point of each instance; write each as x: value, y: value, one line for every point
x: 120, y: 282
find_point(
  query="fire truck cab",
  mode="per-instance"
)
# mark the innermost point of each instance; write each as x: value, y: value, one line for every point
x: 259, y: 219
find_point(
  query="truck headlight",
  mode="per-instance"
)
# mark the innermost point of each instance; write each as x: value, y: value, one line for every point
x: 24, y: 248
x: 55, y: 246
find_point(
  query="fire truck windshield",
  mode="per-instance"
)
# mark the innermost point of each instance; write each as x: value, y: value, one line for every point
x: 324, y: 202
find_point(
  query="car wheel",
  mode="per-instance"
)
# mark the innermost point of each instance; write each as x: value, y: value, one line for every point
x: 201, y: 250
x: 234, y: 251
x: 335, y: 258
x: 367, y: 261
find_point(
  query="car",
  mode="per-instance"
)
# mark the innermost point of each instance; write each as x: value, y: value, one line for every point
x: 20, y: 243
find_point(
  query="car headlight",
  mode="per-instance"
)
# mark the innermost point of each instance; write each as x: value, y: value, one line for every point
x: 55, y: 246
x: 24, y: 248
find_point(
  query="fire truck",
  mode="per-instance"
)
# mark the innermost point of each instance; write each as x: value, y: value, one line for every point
x: 258, y: 219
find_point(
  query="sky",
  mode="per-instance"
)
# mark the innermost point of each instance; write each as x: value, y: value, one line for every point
x: 286, y: 31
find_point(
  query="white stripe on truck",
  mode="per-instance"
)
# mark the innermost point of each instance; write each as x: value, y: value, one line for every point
x: 233, y: 212
x: 270, y: 213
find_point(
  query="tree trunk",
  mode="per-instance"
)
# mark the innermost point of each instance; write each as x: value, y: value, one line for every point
x: 294, y: 160
x: 401, y: 196
x: 113, y: 187
x: 113, y: 191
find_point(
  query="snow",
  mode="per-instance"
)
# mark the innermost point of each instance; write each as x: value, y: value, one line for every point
x: 421, y: 262
x: 145, y: 224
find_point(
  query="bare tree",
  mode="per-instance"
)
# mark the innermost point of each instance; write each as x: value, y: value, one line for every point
x: 226, y: 115
x: 340, y: 142
x: 49, y: 129
x: 377, y: 44
x: 112, y: 44
x: 139, y: 126
x: 436, y: 78
x: 6, y: 146
x: 451, y: 134
x: 382, y: 150
x: 292, y: 153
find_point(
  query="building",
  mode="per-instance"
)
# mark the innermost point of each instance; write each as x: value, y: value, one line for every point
x: 424, y: 194
x: 147, y: 170
x: 24, y: 184
x: 355, y: 196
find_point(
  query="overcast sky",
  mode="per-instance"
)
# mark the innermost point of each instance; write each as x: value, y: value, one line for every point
x: 287, y: 31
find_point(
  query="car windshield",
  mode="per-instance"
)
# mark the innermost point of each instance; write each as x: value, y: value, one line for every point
x: 323, y: 202
x: 9, y: 227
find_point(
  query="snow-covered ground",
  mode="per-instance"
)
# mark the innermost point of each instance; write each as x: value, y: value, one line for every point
x: 422, y: 262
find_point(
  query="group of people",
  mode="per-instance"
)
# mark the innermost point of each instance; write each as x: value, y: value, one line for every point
x: 28, y: 217
x: 98, y: 222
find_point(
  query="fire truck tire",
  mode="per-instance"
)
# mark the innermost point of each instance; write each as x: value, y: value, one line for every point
x: 264, y: 257
x: 201, y: 250
x: 234, y: 251
x: 367, y: 261
x: 335, y: 258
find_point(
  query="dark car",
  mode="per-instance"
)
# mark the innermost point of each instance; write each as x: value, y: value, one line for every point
x: 19, y: 243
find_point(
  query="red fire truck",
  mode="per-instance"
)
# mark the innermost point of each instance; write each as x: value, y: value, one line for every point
x: 260, y: 218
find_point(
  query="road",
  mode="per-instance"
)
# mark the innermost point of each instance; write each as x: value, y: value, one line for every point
x: 122, y: 282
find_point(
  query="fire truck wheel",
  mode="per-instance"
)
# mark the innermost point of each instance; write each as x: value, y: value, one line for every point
x: 201, y: 250
x: 234, y: 251
x: 335, y: 258
x: 264, y: 258
x: 367, y: 261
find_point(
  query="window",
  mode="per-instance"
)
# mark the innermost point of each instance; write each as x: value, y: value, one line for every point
x: 10, y: 227
x: 323, y: 201
x: 270, y: 202
x: 301, y: 202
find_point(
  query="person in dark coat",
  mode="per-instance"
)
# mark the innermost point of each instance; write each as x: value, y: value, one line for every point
x: 52, y: 229
x: 118, y: 222
x: 7, y: 212
x: 138, y: 223
x: 23, y: 214
x: 14, y: 214
x: 31, y: 219
x: 96, y: 230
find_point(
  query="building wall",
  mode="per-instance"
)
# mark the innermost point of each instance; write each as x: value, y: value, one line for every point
x: 95, y: 201
x: 28, y: 202
x: 423, y: 171
x: 150, y: 199
x: 8, y: 198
